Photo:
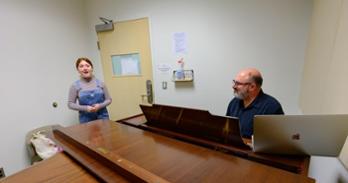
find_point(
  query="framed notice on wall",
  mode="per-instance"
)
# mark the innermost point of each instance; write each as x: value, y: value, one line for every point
x: 126, y: 64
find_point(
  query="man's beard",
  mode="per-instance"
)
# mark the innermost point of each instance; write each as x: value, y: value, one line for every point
x: 240, y: 94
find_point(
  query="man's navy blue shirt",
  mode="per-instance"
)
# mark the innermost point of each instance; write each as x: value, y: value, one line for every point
x: 262, y: 104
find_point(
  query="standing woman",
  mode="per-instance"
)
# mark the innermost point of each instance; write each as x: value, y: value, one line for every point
x: 88, y: 95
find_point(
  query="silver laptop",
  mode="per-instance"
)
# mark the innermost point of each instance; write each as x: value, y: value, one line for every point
x: 322, y: 135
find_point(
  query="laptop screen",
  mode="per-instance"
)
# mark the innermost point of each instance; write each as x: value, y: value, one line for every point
x: 300, y: 134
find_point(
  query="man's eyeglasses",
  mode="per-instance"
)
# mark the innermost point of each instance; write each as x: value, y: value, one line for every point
x: 237, y: 83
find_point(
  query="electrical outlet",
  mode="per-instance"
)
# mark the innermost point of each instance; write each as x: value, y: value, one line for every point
x: 2, y: 173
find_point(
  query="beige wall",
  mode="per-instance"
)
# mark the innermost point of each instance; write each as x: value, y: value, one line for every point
x: 222, y: 38
x: 324, y: 85
x: 40, y: 41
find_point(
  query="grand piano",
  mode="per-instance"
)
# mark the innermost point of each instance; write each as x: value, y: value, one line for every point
x: 164, y: 144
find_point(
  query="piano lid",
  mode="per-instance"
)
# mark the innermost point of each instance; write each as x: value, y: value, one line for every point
x: 194, y: 122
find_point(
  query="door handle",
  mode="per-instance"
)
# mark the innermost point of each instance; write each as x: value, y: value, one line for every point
x: 149, y: 91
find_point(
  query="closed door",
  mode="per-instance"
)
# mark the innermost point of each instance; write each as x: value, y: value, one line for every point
x: 126, y: 61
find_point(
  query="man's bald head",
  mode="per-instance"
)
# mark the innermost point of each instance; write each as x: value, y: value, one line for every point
x: 251, y: 75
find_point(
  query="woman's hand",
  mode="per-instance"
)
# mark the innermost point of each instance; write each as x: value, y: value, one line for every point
x: 90, y: 109
x: 93, y: 108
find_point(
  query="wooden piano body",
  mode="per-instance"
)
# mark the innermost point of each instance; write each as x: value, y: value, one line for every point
x: 134, y: 150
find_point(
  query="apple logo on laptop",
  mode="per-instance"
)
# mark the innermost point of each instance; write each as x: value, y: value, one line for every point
x: 295, y: 136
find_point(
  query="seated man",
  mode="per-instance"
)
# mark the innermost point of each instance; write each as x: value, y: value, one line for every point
x: 250, y: 100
